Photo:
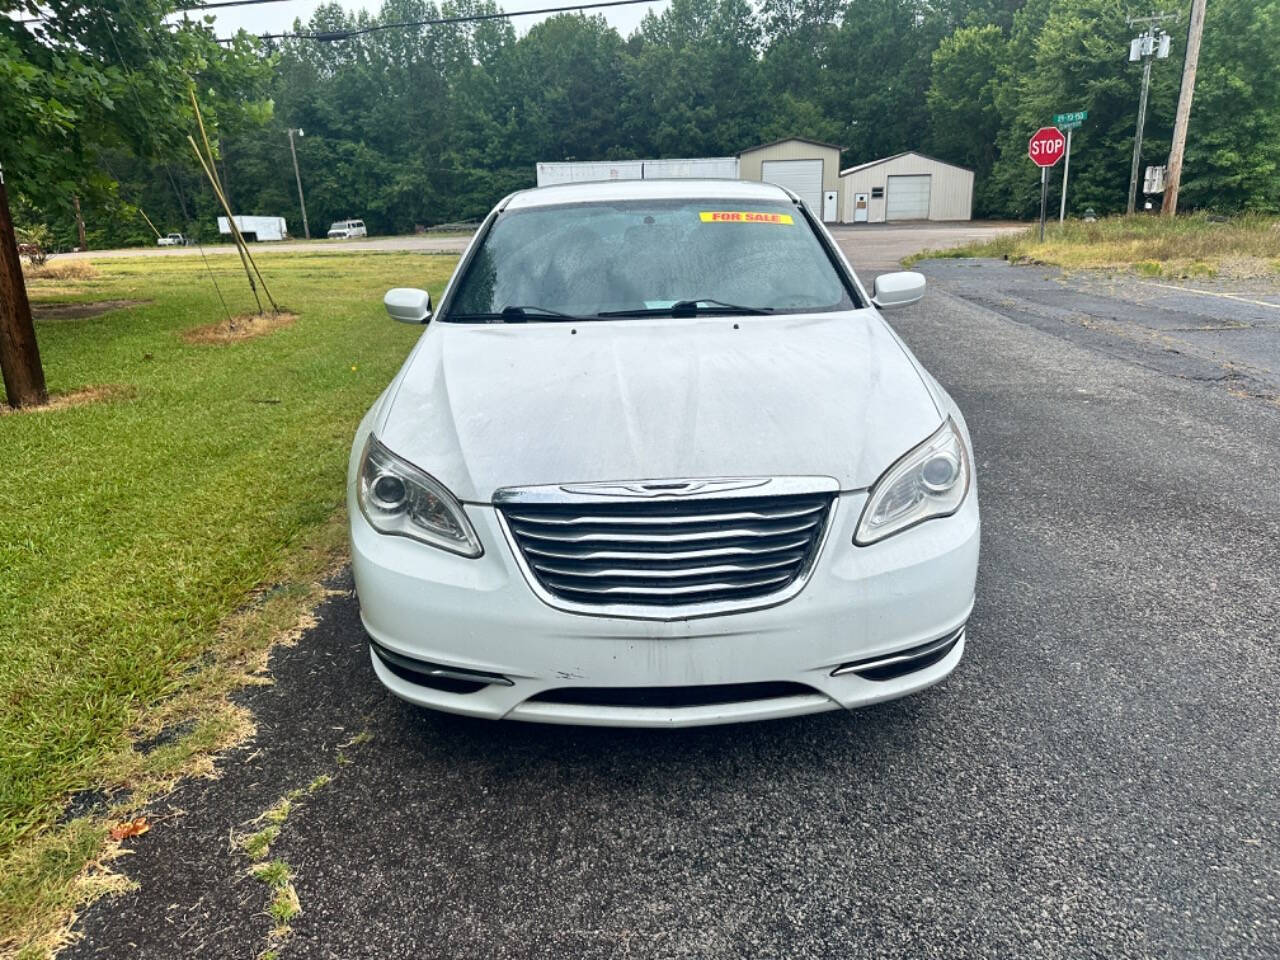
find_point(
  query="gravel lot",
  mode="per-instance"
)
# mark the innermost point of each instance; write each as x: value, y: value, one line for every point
x: 1100, y: 777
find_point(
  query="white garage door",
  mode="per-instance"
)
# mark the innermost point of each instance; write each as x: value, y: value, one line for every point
x: 908, y: 198
x: 801, y: 177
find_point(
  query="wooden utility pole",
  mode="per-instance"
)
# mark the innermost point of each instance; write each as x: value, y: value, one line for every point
x: 19, y: 355
x: 1183, y: 118
x: 297, y: 176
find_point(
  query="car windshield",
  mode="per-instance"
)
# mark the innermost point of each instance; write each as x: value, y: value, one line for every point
x: 648, y: 257
x: 340, y: 225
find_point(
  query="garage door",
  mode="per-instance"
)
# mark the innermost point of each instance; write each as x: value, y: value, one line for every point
x: 908, y: 198
x: 801, y: 177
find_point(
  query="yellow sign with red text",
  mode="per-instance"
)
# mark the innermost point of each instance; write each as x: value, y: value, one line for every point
x: 743, y: 216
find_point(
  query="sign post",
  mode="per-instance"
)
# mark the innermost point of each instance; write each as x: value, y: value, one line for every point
x: 1045, y: 148
x: 1068, y: 122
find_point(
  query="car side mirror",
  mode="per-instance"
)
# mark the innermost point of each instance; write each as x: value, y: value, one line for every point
x: 897, y: 289
x: 408, y: 304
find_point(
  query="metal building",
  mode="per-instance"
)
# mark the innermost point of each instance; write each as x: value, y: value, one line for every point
x: 907, y: 186
x: 809, y: 168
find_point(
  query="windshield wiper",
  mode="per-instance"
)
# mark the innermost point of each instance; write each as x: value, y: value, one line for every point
x: 517, y: 314
x: 688, y: 308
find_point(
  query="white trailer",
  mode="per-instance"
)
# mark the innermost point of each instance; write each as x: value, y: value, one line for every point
x: 579, y: 171
x: 256, y: 228
x: 702, y: 168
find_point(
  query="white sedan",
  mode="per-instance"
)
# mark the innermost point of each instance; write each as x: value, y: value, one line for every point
x: 657, y: 460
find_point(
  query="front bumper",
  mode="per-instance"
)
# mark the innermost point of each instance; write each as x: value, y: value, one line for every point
x: 480, y: 615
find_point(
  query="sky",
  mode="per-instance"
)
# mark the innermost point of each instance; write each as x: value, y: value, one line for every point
x: 279, y: 17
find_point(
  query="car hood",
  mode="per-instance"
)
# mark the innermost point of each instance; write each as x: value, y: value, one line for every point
x: 482, y: 407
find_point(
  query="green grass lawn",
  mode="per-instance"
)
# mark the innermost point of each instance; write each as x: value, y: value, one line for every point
x: 1192, y: 245
x: 132, y: 529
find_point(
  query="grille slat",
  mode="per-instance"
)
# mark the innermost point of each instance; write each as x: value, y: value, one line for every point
x: 741, y: 532
x: 783, y: 513
x: 669, y: 552
x: 712, y: 553
x: 669, y: 573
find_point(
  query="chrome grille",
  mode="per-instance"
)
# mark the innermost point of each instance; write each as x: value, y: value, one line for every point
x: 668, y: 552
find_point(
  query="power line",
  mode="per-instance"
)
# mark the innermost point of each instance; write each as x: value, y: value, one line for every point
x: 329, y: 36
x: 347, y: 34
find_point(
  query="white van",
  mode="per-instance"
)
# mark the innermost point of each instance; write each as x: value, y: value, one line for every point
x: 347, y: 230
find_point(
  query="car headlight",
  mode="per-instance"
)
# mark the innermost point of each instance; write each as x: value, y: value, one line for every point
x: 399, y: 499
x: 930, y: 481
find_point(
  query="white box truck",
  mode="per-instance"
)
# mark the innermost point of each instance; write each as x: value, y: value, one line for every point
x: 256, y: 228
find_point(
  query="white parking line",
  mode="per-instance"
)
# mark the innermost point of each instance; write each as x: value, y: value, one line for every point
x: 1212, y: 293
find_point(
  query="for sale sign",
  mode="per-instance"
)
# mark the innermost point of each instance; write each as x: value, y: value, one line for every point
x: 1046, y: 146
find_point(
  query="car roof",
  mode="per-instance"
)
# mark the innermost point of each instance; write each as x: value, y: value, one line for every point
x: 679, y: 189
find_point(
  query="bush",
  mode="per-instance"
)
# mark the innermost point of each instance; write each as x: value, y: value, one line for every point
x: 34, y: 243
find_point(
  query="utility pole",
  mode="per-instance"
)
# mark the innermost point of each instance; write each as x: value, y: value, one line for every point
x: 1152, y: 43
x: 1194, y: 30
x: 297, y: 176
x: 1137, y: 137
x: 19, y: 355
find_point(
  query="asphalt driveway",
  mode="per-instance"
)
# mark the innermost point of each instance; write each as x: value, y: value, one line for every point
x: 1100, y: 777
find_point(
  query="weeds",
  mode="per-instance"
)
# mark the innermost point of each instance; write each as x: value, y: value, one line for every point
x: 284, y: 905
x: 1238, y: 247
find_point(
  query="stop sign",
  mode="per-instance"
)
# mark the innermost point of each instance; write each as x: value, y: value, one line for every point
x: 1046, y: 146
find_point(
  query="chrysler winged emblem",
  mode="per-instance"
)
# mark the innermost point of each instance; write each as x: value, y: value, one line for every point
x: 665, y: 488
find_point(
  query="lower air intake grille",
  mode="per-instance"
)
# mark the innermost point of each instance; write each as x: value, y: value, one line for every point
x: 671, y: 552
x: 714, y: 695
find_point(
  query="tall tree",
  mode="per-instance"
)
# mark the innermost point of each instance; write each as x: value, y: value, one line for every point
x: 878, y: 70
x: 83, y: 78
x: 963, y: 117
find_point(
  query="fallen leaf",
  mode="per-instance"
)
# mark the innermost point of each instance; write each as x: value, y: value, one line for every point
x: 130, y: 828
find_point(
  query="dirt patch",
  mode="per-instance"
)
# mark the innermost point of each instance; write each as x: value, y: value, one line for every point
x: 101, y: 393
x: 244, y: 327
x: 1246, y: 268
x: 62, y: 270
x: 80, y: 311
